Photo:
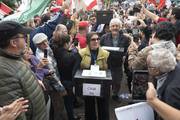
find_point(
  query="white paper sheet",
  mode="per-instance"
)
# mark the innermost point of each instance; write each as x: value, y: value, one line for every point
x: 110, y: 48
x: 139, y: 111
x: 94, y: 73
x: 91, y: 89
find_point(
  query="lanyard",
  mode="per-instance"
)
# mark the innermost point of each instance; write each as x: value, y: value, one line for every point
x: 94, y: 57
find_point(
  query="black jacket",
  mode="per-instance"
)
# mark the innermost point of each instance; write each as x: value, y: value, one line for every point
x: 115, y: 58
x: 67, y: 64
x: 170, y: 90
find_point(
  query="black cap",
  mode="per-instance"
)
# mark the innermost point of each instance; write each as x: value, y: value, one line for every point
x: 8, y: 29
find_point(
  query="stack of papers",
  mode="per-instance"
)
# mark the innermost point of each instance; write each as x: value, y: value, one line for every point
x: 117, y: 49
x: 110, y: 48
x: 94, y: 74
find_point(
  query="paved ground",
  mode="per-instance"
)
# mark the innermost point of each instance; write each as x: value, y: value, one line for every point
x: 113, y: 104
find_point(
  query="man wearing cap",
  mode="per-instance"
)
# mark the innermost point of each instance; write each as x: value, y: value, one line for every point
x: 16, y: 78
x: 41, y: 41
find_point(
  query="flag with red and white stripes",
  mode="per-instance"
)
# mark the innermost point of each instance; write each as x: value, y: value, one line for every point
x: 160, y: 3
x: 4, y: 9
x: 90, y: 4
x: 83, y: 4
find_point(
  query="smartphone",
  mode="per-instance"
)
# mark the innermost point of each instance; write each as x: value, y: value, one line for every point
x: 45, y: 53
x: 139, y: 85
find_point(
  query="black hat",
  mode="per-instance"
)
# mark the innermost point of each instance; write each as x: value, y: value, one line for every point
x: 8, y: 29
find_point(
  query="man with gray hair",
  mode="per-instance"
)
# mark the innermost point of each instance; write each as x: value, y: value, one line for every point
x: 116, y: 39
x: 162, y: 66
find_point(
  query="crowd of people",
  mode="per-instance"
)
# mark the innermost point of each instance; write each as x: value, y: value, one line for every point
x: 39, y: 59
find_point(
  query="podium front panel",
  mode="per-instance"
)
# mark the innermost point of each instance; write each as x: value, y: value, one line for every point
x: 105, y: 83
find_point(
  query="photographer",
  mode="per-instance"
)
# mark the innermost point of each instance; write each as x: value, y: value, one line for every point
x: 164, y: 69
x: 43, y: 51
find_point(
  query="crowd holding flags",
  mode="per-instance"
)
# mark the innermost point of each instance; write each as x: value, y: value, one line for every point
x: 160, y: 3
x: 29, y: 8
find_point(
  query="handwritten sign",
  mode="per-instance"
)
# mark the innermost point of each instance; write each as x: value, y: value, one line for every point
x: 91, y: 89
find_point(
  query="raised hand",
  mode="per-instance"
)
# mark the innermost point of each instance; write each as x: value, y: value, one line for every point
x: 13, y: 110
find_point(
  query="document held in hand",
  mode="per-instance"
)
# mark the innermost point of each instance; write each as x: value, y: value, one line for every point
x: 138, y: 111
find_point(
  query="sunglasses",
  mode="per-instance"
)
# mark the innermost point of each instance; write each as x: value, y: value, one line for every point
x: 94, y: 39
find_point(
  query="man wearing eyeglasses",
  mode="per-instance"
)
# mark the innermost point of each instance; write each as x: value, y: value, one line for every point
x: 16, y: 78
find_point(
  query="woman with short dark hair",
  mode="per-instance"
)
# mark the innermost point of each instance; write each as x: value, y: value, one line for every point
x: 93, y: 54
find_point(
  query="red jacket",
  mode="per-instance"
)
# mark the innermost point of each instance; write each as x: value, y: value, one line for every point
x: 82, y: 40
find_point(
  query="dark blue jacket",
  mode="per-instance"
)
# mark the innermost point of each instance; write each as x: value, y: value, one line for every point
x: 170, y: 90
x: 47, y: 28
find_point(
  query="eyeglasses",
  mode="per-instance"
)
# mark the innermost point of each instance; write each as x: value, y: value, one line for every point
x: 94, y: 39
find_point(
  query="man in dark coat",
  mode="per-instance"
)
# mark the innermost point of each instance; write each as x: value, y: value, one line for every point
x: 163, y: 68
x: 116, y: 39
